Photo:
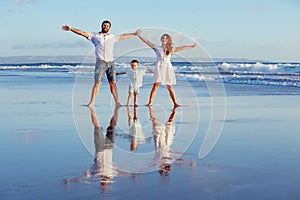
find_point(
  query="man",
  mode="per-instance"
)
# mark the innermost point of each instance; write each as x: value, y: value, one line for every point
x: 104, y: 44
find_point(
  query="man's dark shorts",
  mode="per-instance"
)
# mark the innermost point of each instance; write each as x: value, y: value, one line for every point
x: 107, y: 68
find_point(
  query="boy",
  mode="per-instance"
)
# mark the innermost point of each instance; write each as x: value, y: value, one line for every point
x: 136, y: 80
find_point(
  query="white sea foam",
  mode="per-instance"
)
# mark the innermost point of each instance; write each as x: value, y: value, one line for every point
x: 286, y: 74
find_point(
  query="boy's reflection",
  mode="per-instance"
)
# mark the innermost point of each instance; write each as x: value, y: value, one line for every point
x: 163, y: 139
x: 135, y: 129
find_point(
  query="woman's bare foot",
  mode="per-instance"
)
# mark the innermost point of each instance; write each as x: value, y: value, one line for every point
x: 118, y: 104
x: 90, y: 105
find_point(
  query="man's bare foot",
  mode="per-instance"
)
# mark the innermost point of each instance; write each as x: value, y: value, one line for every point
x: 149, y: 104
x: 135, y: 105
x: 176, y: 105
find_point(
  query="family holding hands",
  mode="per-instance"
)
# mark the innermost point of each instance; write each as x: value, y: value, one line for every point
x: 104, y: 44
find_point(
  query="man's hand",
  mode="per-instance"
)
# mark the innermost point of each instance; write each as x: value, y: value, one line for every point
x: 66, y: 28
x: 195, y: 45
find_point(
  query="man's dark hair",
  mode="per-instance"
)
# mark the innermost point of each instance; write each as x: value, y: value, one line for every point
x: 106, y: 21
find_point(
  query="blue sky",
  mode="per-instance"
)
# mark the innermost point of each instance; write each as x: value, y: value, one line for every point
x: 252, y: 29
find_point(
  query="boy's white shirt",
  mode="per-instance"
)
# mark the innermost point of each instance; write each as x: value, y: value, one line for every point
x: 136, y: 77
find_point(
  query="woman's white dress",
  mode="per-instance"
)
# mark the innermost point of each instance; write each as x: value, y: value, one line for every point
x: 164, y: 72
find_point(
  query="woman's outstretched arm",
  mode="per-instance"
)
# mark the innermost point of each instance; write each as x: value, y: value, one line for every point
x: 176, y: 49
x: 150, y: 44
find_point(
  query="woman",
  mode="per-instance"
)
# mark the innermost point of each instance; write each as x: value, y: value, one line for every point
x: 164, y: 72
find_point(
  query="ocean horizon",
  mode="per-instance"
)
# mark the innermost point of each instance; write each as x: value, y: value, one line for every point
x: 82, y: 58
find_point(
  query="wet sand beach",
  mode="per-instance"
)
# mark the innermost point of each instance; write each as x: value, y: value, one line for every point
x: 52, y: 147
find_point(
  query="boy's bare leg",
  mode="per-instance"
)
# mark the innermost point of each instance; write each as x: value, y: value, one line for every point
x: 153, y: 93
x: 114, y: 91
x: 172, y: 95
x: 128, y: 99
x: 135, y: 99
x: 135, y: 115
x: 95, y: 91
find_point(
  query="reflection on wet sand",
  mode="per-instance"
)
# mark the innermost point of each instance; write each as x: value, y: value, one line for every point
x: 163, y: 138
x: 135, y: 129
x: 104, y: 169
x: 103, y: 163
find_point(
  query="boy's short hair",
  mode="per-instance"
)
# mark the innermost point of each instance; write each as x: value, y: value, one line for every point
x: 135, y: 61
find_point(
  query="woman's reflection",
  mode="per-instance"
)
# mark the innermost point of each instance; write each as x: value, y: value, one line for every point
x: 163, y: 139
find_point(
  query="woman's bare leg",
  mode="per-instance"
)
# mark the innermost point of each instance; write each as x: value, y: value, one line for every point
x: 172, y: 95
x: 153, y: 93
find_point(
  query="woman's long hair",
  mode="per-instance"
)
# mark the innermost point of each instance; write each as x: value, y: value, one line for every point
x: 169, y: 44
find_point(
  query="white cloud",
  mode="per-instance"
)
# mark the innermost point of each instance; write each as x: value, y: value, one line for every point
x: 77, y: 44
x: 21, y: 2
x: 257, y: 8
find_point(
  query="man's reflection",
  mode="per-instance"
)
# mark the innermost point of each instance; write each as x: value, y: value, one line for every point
x: 103, y: 164
x: 102, y: 169
x: 163, y: 139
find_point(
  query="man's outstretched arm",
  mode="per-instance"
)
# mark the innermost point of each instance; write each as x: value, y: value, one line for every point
x: 129, y: 35
x: 75, y: 30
